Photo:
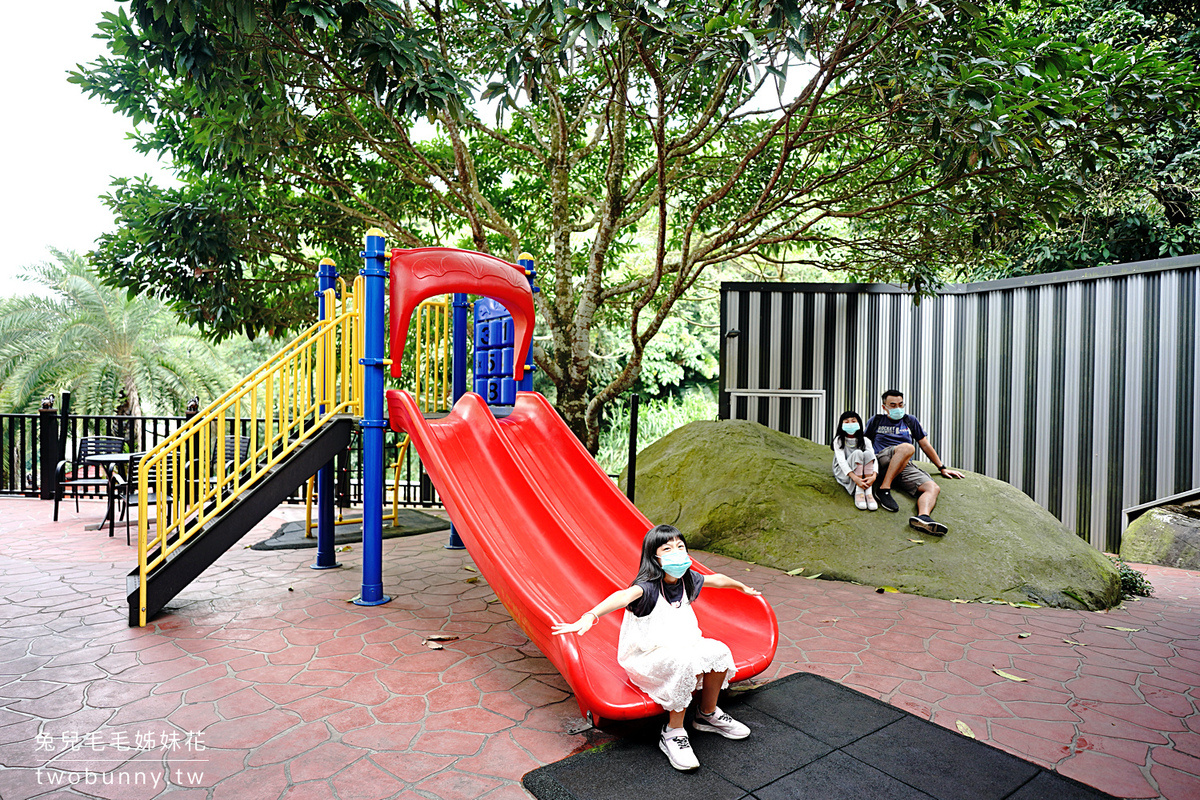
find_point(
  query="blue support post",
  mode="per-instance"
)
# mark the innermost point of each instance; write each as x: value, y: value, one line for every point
x: 458, y: 378
x: 326, y: 279
x: 525, y: 261
x: 373, y: 422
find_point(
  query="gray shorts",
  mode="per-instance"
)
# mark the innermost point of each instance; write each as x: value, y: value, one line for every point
x: 910, y: 478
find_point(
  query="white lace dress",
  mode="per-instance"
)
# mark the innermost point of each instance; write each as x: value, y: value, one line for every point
x: 664, y: 653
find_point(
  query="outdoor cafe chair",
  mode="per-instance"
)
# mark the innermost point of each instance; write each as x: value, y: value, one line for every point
x: 73, y: 474
x: 128, y: 488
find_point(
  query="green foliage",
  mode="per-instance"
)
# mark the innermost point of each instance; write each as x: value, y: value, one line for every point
x: 1133, y: 583
x: 1097, y: 239
x: 656, y: 419
x: 115, y: 353
x: 1135, y: 199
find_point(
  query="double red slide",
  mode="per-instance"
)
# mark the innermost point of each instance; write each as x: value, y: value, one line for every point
x: 553, y: 535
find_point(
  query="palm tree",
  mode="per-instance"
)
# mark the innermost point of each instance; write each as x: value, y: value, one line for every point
x: 114, y: 352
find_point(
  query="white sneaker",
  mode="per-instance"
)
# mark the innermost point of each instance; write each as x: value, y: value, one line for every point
x: 871, y: 504
x: 720, y: 722
x: 860, y: 500
x: 674, y: 742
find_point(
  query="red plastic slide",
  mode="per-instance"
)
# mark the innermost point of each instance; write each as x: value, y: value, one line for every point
x: 553, y: 535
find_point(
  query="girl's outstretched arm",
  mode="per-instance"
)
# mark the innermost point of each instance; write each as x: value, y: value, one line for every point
x: 618, y: 599
x: 719, y: 581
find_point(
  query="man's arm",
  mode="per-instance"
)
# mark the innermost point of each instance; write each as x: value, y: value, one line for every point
x: 936, y: 459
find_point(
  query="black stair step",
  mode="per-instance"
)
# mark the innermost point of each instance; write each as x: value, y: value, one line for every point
x: 222, y: 532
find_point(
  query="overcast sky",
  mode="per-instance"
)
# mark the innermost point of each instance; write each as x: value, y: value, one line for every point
x: 60, y: 149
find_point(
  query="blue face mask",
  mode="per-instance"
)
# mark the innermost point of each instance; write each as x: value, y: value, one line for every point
x: 896, y: 413
x: 676, y: 563
x: 850, y: 427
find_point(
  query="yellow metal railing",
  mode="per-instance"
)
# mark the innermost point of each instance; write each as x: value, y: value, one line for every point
x: 432, y: 390
x: 200, y: 470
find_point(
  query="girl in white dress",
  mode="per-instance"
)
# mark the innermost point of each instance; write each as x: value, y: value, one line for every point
x: 662, y: 648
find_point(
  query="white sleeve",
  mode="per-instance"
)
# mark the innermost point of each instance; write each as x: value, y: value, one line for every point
x: 840, y: 457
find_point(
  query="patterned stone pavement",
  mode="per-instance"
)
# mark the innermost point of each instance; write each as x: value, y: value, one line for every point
x: 264, y: 682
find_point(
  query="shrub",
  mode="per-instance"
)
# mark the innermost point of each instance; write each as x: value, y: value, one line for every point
x: 1133, y: 583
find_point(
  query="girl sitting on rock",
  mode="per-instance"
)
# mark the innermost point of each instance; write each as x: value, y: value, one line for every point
x: 854, y: 460
x: 661, y: 647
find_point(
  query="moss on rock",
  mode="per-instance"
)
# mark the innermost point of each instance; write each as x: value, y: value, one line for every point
x: 1168, y: 536
x: 746, y: 491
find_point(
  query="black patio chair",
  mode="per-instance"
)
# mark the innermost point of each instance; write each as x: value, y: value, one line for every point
x: 128, y: 488
x: 81, y: 477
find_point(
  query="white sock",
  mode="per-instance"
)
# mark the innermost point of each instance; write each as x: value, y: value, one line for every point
x: 668, y: 731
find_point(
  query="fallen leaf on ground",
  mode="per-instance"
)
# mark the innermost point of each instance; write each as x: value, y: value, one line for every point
x: 956, y: 600
x: 917, y: 541
x: 1025, y: 604
x: 1004, y: 674
x: 810, y: 577
x: 1072, y: 641
x: 469, y: 568
x: 432, y: 645
x: 964, y: 728
x: 889, y: 589
x: 1118, y: 628
x: 796, y: 571
x: 473, y: 580
x: 1023, y: 635
x: 440, y: 637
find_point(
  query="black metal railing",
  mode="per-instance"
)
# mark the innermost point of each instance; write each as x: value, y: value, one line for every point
x: 415, y: 489
x: 33, y: 443
x: 19, y: 463
x: 140, y: 433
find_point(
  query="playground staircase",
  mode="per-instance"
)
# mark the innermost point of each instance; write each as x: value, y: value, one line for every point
x: 208, y: 542
x: 229, y: 466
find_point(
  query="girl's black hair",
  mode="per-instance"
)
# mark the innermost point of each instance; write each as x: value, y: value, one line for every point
x: 650, y: 571
x: 839, y: 435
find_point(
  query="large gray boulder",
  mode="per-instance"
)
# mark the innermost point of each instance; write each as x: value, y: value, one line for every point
x: 746, y: 491
x: 1168, y: 535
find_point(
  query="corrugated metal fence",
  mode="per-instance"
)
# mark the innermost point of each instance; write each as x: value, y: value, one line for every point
x: 1079, y: 387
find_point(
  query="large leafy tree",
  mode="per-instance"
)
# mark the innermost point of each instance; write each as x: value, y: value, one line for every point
x: 1139, y: 201
x: 629, y: 144
x: 113, y: 352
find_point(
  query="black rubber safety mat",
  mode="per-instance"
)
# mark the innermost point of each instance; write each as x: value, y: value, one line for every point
x: 811, y: 738
x: 290, y: 535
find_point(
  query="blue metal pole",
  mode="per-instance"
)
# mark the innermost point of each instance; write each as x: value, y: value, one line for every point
x: 458, y: 378
x: 326, y: 279
x: 373, y: 422
x: 525, y: 261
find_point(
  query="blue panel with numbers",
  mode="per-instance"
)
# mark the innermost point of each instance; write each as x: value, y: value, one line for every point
x: 494, y: 351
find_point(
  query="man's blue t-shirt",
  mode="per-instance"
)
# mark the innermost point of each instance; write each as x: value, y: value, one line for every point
x: 885, y: 432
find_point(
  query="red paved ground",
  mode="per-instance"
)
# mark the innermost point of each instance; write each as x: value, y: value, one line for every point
x: 292, y: 692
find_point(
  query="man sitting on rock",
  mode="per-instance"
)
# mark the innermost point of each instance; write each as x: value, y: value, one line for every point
x: 894, y: 433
